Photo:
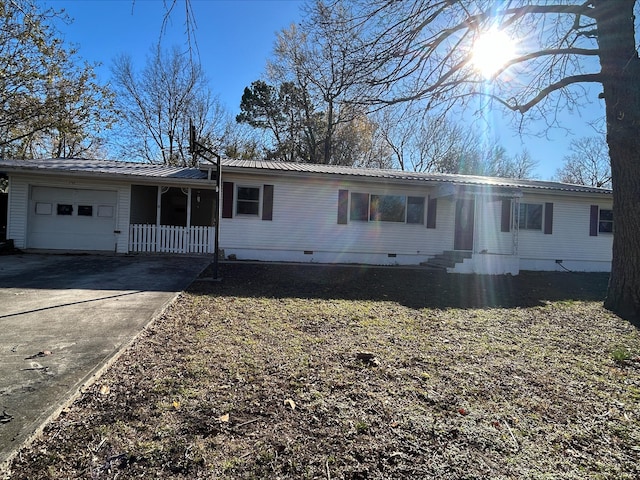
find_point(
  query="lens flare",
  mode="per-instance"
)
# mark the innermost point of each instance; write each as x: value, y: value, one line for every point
x: 491, y: 51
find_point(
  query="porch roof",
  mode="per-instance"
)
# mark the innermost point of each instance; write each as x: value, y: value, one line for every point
x: 106, y: 168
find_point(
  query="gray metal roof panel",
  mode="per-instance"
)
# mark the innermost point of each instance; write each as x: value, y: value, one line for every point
x: 411, y: 176
x: 117, y: 168
x: 111, y: 167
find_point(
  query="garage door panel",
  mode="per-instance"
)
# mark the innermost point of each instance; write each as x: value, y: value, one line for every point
x: 71, y: 219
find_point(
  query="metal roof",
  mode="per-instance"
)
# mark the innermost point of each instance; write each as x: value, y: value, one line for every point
x: 431, y: 178
x: 107, y: 167
x: 136, y: 169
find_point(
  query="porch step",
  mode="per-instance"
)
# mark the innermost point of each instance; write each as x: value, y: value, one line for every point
x: 447, y: 259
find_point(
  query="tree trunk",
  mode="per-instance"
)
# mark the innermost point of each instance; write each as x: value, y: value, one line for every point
x: 621, y: 84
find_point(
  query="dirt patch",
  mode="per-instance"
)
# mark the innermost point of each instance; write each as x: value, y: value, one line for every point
x: 363, y: 373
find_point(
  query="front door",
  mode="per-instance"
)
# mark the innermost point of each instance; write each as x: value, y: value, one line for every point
x: 463, y: 239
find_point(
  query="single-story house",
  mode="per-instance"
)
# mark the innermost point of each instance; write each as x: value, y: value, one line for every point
x: 275, y: 211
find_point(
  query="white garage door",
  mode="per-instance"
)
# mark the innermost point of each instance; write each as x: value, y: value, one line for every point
x: 71, y: 219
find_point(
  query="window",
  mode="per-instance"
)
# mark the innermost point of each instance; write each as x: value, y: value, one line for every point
x: 387, y: 208
x: 105, y: 210
x: 605, y: 221
x: 415, y: 210
x: 359, y: 210
x: 43, y: 208
x: 65, y: 209
x: 530, y: 217
x: 85, y: 210
x: 248, y: 201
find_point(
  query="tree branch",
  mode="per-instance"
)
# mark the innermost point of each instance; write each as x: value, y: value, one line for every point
x: 589, y: 77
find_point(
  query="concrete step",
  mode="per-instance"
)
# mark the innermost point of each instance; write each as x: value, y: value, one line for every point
x: 447, y: 259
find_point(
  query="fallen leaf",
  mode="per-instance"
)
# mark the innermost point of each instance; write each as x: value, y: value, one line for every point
x: 104, y: 389
x: 176, y: 405
x: 291, y: 403
x: 462, y: 411
x: 224, y: 418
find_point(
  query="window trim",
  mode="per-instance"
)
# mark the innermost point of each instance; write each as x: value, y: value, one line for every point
x: 105, y: 211
x: 600, y: 221
x: 85, y: 211
x: 542, y: 214
x: 238, y: 200
x: 422, y: 204
x: 44, y: 208
x: 64, y: 209
x: 373, y: 214
x: 366, y: 214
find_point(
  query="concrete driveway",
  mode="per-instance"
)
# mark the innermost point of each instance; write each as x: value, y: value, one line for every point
x: 63, y: 318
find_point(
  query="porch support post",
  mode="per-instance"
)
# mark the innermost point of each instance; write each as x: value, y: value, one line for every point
x: 216, y: 242
x: 187, y: 233
x: 476, y: 224
x: 189, y: 208
x: 158, y: 217
x: 515, y: 223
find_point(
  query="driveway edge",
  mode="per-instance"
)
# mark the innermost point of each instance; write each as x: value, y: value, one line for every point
x: 87, y: 381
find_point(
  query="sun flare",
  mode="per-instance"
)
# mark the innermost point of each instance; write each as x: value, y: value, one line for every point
x: 491, y: 51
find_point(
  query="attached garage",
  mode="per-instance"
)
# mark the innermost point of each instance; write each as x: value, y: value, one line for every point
x: 72, y: 219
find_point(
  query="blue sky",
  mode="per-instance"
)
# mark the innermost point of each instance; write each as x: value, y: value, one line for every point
x: 235, y: 39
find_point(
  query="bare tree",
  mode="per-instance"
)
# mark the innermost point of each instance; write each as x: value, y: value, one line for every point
x: 520, y: 165
x: 50, y: 101
x: 158, y: 103
x: 422, y: 49
x: 422, y: 142
x: 316, y: 57
x: 360, y: 143
x: 587, y: 164
x: 241, y: 142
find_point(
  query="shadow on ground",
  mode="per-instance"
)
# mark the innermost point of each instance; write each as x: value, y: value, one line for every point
x: 163, y: 273
x: 414, y: 288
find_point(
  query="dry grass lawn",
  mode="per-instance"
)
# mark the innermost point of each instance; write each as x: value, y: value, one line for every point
x: 359, y: 373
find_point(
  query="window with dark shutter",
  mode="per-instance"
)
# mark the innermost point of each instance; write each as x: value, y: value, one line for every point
x: 359, y: 210
x: 530, y: 216
x: 432, y: 208
x: 227, y: 199
x: 267, y: 205
x: 247, y: 201
x: 593, y: 221
x: 605, y: 221
x: 343, y: 206
x: 548, y: 218
x: 505, y: 221
x: 415, y: 210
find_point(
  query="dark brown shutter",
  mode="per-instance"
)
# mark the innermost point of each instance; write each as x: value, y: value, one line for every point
x: 505, y: 221
x: 548, y: 218
x: 343, y: 206
x: 593, y: 221
x: 227, y: 199
x: 267, y: 202
x: 432, y: 208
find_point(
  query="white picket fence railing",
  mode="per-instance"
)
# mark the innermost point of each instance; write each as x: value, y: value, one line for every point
x: 171, y: 239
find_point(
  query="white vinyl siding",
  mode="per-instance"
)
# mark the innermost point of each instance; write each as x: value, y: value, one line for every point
x: 305, y: 219
x: 488, y: 235
x: 570, y: 240
x: 17, y: 211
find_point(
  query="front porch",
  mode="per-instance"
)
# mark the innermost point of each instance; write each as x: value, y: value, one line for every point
x: 172, y: 220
